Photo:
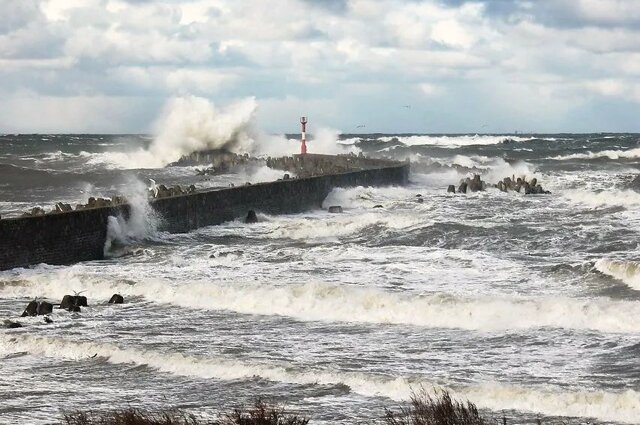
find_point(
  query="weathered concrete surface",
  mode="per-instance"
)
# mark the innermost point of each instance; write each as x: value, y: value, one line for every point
x: 69, y: 237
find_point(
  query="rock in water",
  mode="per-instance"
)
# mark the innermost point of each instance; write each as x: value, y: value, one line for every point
x: 251, y: 217
x: 116, y: 299
x: 11, y: 325
x: 81, y: 301
x: 378, y: 206
x: 335, y: 209
x: 475, y: 184
x: 67, y: 302
x: 44, y: 308
x: 451, y: 189
x: 462, y: 188
x: 31, y: 310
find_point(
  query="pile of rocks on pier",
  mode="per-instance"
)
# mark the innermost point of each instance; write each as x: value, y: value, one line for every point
x: 519, y: 184
x: 157, y: 192
x: 162, y: 191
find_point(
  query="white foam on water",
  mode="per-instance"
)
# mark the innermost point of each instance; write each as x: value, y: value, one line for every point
x: 611, y: 154
x: 454, y: 141
x: 629, y: 199
x: 625, y: 271
x: 142, y: 222
x: 623, y: 406
x: 189, y: 124
x: 325, y: 302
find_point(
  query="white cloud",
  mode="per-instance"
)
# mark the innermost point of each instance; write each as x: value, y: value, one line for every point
x: 569, y: 52
x: 50, y: 114
x: 429, y: 89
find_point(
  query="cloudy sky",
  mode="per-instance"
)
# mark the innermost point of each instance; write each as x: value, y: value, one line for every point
x: 390, y: 65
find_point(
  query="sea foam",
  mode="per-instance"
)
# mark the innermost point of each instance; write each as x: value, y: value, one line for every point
x: 623, y: 406
x: 319, y: 301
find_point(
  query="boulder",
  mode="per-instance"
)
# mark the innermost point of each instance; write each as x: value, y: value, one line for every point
x: 378, y: 206
x: 451, y: 189
x: 251, y: 217
x: 47, y: 319
x: 475, y: 184
x: 31, y: 310
x: 335, y: 209
x: 67, y: 301
x: 116, y: 299
x: 286, y: 177
x: 44, y: 308
x: 463, y: 187
x: 11, y: 325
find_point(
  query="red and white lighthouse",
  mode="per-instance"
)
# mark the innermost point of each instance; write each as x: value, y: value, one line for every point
x: 303, y: 137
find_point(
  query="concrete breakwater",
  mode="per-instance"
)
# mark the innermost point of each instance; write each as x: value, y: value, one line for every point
x: 80, y: 235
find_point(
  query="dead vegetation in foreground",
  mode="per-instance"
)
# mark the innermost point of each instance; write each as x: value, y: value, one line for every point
x: 422, y: 409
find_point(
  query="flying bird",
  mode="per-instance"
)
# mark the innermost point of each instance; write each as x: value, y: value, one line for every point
x: 360, y: 126
x: 406, y: 106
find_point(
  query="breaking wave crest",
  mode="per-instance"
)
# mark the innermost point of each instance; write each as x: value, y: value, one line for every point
x: 615, y: 406
x: 344, y: 303
x: 455, y: 141
x: 608, y: 198
x: 142, y: 221
x: 611, y: 154
x: 625, y: 271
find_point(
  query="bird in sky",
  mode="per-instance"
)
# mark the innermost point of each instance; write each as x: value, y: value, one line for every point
x: 360, y: 126
x: 406, y: 106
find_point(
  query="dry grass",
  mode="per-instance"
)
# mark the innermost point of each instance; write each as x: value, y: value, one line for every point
x: 259, y: 414
x: 262, y: 414
x: 131, y: 417
x: 441, y: 409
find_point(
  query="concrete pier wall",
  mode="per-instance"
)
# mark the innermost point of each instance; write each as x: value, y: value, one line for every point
x: 66, y: 238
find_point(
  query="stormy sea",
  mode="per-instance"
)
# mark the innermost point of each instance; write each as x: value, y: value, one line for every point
x: 526, y: 305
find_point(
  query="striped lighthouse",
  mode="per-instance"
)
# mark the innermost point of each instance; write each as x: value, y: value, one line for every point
x: 303, y: 137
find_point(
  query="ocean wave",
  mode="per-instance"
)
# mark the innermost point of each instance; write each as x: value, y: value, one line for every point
x: 606, y: 198
x: 621, y: 406
x: 625, y: 271
x: 324, y: 302
x: 611, y: 154
x: 453, y: 141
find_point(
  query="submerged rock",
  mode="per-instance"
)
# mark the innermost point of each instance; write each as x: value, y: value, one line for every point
x: 44, y: 308
x: 251, y: 217
x: 70, y: 301
x: 11, y: 325
x: 116, y: 299
x: 335, y: 209
x: 31, y: 310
